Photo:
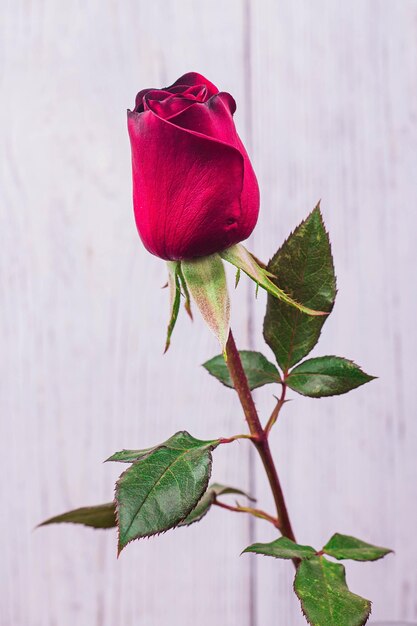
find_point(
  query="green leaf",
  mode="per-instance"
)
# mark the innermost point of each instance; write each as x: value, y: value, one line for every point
x: 325, y: 598
x: 304, y: 270
x: 160, y: 489
x: 242, y: 259
x: 259, y: 371
x: 175, y: 297
x: 282, y: 548
x: 130, y: 456
x: 100, y: 516
x: 205, y: 279
x: 326, y: 376
x: 346, y: 547
x: 207, y: 500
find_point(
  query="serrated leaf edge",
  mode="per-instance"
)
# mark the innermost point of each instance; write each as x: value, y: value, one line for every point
x: 302, y: 558
x: 226, y: 491
x: 241, y: 258
x: 330, y: 356
x: 317, y: 210
x: 182, y: 523
x: 350, y: 558
x: 293, y: 371
x: 147, y: 451
x: 271, y: 381
x: 302, y: 606
x: 121, y: 547
x: 51, y: 520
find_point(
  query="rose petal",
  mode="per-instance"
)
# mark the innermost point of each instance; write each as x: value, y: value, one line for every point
x: 212, y: 118
x: 193, y: 78
x: 166, y: 107
x: 197, y: 92
x: 187, y: 189
x: 139, y: 100
x: 189, y: 84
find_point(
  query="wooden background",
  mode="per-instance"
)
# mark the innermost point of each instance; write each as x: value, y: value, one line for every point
x: 327, y: 105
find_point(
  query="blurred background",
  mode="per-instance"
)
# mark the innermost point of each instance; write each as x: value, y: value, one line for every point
x: 327, y: 107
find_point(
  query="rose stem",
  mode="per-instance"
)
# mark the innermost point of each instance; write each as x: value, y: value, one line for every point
x: 259, y: 435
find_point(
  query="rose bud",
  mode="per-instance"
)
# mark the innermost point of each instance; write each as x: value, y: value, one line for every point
x: 194, y: 190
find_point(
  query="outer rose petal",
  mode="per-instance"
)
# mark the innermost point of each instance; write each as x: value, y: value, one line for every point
x: 187, y: 189
x: 214, y: 119
x: 139, y: 99
x: 249, y: 197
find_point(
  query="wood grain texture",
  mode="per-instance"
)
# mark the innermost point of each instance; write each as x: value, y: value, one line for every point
x: 339, y: 123
x: 326, y: 97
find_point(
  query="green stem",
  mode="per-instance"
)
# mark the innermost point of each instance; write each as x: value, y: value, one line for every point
x: 259, y: 435
x: 255, y: 512
x: 234, y: 438
x: 277, y: 409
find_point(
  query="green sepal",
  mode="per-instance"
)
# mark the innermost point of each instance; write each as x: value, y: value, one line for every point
x: 282, y: 548
x: 207, y: 501
x: 326, y: 376
x: 259, y: 371
x: 241, y: 258
x: 237, y: 277
x: 325, y: 597
x: 304, y: 266
x: 346, y: 547
x: 100, y: 516
x: 175, y: 297
x: 162, y: 488
x: 186, y: 293
x: 205, y: 279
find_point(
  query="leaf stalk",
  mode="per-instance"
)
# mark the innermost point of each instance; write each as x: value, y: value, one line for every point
x: 255, y: 512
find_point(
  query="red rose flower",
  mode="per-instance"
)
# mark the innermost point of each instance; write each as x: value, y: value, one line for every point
x: 194, y: 190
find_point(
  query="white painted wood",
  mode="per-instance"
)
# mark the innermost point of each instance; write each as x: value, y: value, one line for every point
x: 83, y: 320
x: 326, y: 102
x: 335, y: 86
